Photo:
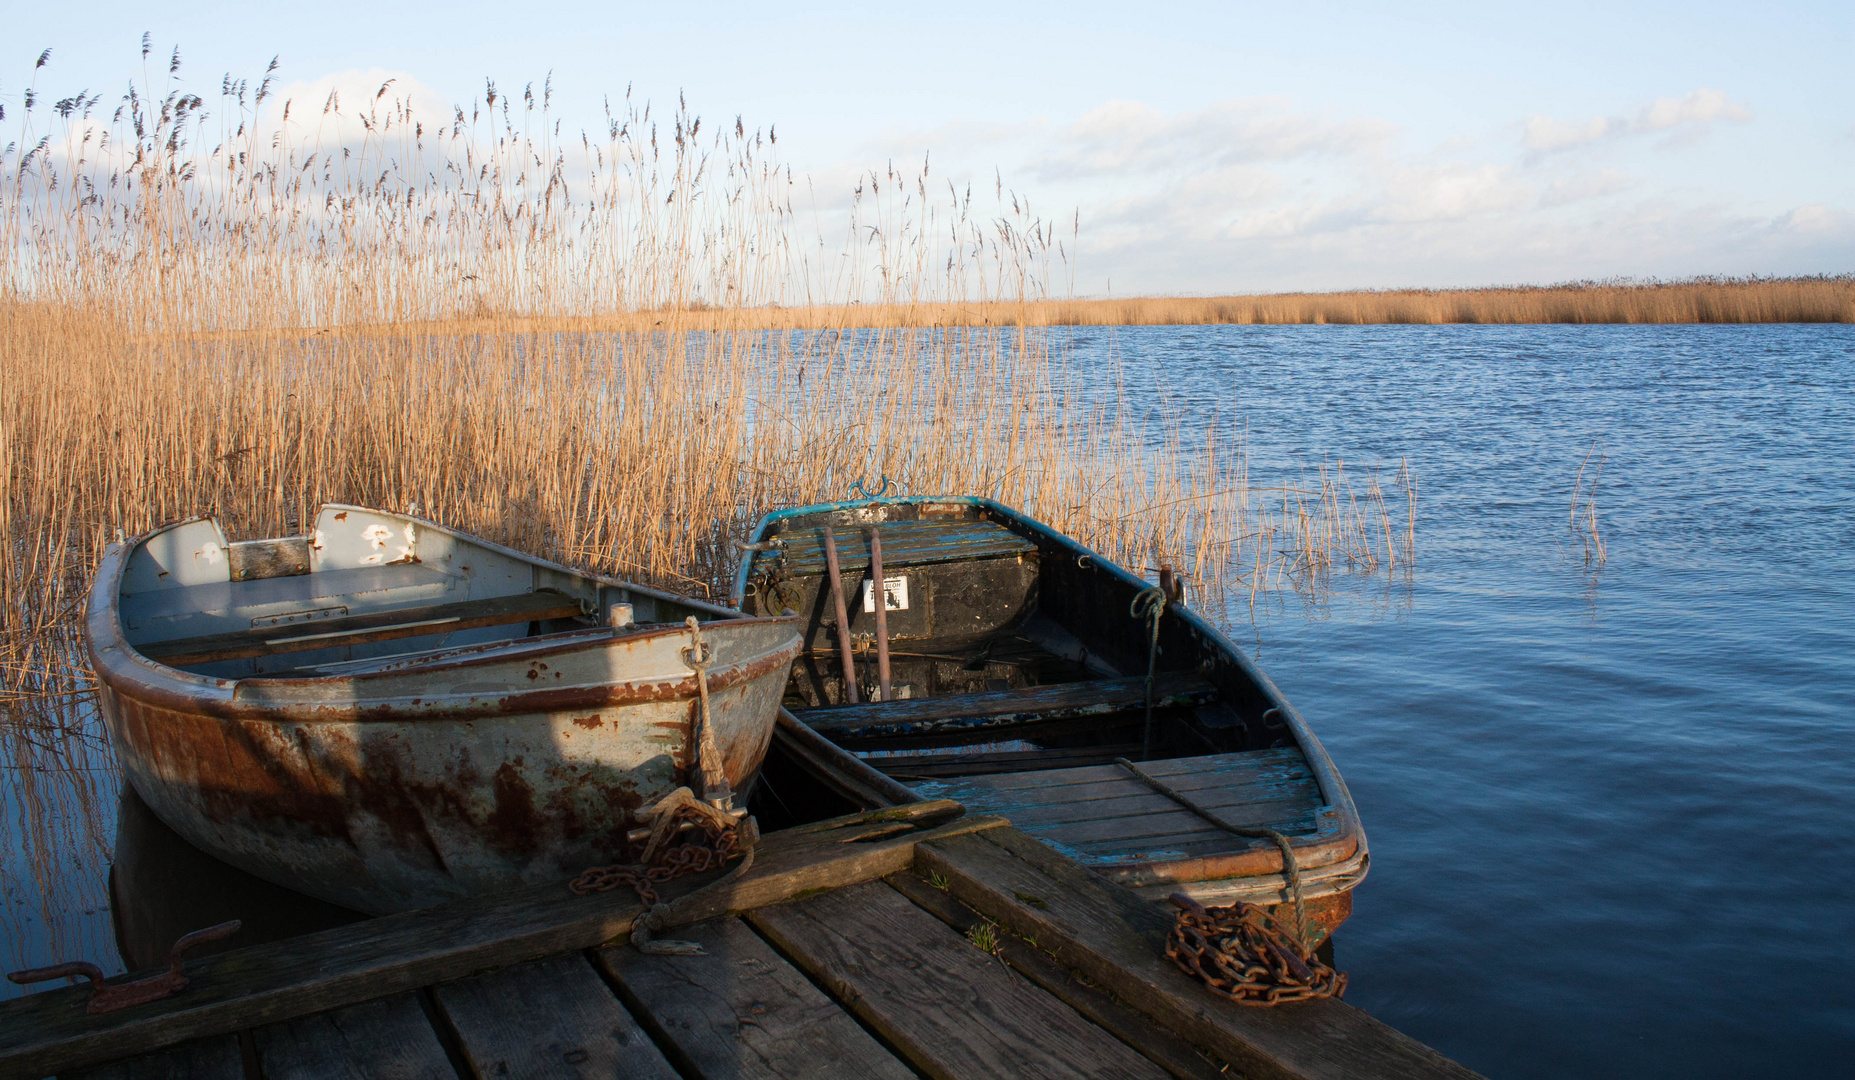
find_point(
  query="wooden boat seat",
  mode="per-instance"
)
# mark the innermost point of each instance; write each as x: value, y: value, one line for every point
x: 992, y: 708
x: 359, y: 629
x: 904, y: 543
x: 923, y: 766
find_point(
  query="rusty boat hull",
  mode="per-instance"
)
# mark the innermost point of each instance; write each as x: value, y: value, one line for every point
x: 387, y: 714
x: 1018, y: 670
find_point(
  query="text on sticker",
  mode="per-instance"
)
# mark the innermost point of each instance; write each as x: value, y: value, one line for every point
x: 894, y: 593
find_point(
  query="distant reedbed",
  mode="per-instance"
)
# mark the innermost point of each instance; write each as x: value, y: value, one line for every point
x: 1820, y: 299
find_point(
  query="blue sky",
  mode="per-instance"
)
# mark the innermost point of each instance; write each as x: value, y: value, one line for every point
x: 1206, y: 148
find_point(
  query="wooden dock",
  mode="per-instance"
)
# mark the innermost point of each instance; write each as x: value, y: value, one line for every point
x: 906, y: 941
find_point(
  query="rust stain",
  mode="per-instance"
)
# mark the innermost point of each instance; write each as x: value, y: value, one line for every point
x: 513, y: 824
x: 343, y: 516
x: 326, y: 781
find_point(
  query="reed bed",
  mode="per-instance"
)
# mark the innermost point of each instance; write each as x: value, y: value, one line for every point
x: 528, y: 337
x: 1823, y: 299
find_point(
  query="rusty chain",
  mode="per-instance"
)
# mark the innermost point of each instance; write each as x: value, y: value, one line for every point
x: 1241, y: 953
x: 721, y: 831
x: 718, y: 841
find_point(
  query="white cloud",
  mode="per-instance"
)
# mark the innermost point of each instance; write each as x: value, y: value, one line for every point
x: 1695, y: 113
x: 1255, y: 195
x: 1586, y: 186
x: 1817, y: 219
x: 1130, y: 137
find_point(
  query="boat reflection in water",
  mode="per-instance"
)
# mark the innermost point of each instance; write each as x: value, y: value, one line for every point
x: 162, y: 887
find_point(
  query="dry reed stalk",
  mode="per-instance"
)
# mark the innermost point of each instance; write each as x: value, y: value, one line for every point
x: 1583, y: 518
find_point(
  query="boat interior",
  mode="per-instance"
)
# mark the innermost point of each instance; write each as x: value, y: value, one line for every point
x: 362, y: 589
x: 1018, y: 678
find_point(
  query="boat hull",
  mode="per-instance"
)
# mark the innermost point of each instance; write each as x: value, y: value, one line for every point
x: 464, y: 773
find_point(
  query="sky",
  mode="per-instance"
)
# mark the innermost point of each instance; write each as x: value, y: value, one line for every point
x: 1193, y: 149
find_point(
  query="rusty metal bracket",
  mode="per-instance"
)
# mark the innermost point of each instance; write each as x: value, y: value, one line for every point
x: 105, y: 997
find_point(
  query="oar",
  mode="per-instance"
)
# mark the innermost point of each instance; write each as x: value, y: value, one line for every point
x: 843, y: 617
x: 882, y: 612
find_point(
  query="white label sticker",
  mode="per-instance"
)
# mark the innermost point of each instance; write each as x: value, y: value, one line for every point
x: 894, y: 591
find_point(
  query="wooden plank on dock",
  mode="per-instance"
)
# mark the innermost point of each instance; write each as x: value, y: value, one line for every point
x: 49, y: 1031
x: 1117, y: 939
x: 953, y: 1010
x: 389, y: 1039
x: 743, y: 1013
x: 217, y: 1058
x: 551, y: 1018
x: 989, y: 708
x: 1136, y: 1029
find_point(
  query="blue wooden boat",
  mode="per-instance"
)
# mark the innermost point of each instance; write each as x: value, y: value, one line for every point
x: 1016, y: 663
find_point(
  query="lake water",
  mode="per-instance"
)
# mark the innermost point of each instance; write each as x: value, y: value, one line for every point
x: 1610, y: 809
x: 1612, y: 812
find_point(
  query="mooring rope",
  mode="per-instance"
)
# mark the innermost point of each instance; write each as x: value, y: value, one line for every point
x: 1291, y: 867
x: 1149, y: 604
x: 726, y: 832
x: 708, y: 759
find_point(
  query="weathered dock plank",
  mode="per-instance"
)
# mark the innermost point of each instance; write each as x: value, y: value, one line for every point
x: 217, y: 1058
x: 1136, y: 1029
x: 952, y: 1009
x: 814, y: 968
x: 44, y: 1032
x: 742, y: 1012
x: 1118, y: 939
x: 547, y: 1019
x: 388, y: 1039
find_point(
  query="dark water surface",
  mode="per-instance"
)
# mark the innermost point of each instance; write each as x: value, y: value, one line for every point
x: 1611, y: 811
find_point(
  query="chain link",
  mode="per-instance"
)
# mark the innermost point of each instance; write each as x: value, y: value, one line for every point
x: 717, y: 844
x: 1241, y: 953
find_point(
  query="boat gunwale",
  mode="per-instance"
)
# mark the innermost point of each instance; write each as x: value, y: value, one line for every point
x: 1348, y: 841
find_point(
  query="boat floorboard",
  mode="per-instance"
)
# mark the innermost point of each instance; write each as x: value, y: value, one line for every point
x: 1101, y: 815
